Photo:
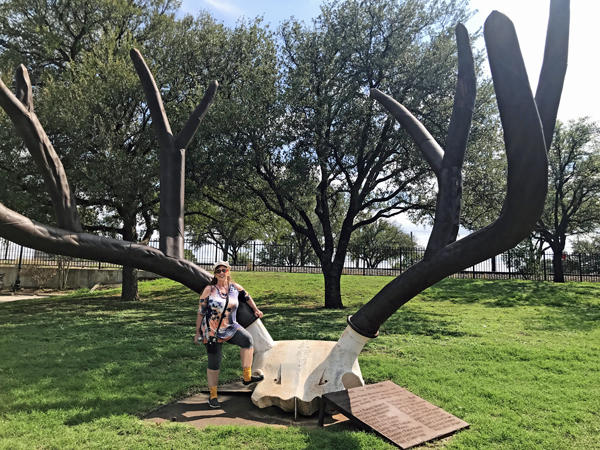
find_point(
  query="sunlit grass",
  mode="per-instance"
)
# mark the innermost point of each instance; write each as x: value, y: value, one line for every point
x: 519, y: 361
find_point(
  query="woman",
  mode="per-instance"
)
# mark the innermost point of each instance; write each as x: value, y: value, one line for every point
x: 211, y: 315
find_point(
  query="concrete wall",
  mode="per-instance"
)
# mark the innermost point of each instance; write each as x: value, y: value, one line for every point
x: 77, y: 278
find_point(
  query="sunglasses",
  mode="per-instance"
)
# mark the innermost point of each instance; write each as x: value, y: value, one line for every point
x: 218, y: 271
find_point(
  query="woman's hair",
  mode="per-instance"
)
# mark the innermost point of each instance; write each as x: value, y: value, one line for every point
x: 214, y: 281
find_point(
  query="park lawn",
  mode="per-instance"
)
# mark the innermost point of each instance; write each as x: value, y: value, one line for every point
x: 518, y: 360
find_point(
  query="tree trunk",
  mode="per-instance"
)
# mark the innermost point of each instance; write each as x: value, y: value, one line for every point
x: 129, y: 289
x: 225, y: 251
x: 559, y: 275
x: 333, y: 291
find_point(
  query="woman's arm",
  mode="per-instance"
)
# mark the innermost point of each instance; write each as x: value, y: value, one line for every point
x: 257, y: 312
x: 201, y: 312
x: 199, y: 320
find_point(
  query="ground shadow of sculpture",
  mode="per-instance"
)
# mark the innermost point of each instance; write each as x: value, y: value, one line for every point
x: 297, y: 373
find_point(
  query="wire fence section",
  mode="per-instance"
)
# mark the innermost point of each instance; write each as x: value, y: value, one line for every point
x: 259, y: 256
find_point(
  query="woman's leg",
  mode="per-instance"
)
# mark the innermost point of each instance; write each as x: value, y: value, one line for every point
x: 212, y: 374
x: 243, y: 339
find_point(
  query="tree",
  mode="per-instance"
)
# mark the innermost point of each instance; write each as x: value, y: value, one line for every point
x: 573, y: 202
x: 52, y: 34
x: 525, y: 259
x: 591, y: 245
x: 284, y: 247
x: 588, y: 250
x: 331, y: 150
x: 377, y: 242
x: 224, y: 228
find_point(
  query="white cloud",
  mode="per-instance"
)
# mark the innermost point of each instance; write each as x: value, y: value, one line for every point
x: 224, y: 7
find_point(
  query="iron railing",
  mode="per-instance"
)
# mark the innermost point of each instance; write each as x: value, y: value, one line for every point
x: 259, y: 256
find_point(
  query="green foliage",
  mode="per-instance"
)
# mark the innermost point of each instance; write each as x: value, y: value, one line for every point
x: 518, y: 360
x: 591, y: 245
x: 55, y: 33
x: 95, y: 114
x: 329, y: 155
x: 379, y: 241
x: 92, y: 106
x: 525, y: 259
x: 573, y: 201
x: 227, y: 229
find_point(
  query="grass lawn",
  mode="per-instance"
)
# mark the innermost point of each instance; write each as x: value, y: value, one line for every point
x: 519, y: 361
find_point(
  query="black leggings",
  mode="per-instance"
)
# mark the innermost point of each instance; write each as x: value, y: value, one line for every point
x: 241, y: 338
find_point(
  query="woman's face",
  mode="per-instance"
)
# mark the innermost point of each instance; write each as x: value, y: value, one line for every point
x: 221, y: 272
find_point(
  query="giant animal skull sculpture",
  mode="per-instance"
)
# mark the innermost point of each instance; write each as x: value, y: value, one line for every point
x: 297, y: 373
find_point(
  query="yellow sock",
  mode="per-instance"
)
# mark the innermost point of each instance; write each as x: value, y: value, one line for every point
x: 247, y: 373
x: 213, y: 391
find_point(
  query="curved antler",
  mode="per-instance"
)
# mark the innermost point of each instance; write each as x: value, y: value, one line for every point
x: 26, y: 232
x: 172, y: 156
x: 554, y: 67
x: 67, y: 239
x: 20, y: 110
x: 527, y: 170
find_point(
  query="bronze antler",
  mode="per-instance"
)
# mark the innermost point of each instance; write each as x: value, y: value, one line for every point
x: 528, y: 124
x: 68, y: 239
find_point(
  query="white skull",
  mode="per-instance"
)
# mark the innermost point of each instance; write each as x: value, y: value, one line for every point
x: 298, y: 373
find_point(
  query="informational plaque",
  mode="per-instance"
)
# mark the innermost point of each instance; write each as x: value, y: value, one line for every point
x: 394, y: 413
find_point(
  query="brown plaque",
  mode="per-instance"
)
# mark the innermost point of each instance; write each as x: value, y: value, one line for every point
x: 395, y: 413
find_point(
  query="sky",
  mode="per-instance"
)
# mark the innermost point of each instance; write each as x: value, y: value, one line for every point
x: 580, y: 96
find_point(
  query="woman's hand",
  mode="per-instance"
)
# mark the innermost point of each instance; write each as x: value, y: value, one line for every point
x: 196, y: 339
x: 258, y: 313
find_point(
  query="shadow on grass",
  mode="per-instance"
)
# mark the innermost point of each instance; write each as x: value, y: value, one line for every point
x: 405, y: 322
x: 291, y: 299
x: 570, y: 306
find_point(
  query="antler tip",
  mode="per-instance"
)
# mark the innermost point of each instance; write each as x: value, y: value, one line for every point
x: 495, y: 18
x: 134, y: 52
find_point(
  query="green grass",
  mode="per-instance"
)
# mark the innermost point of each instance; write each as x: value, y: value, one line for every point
x: 519, y: 361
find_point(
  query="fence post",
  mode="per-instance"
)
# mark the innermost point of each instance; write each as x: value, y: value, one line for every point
x: 253, y: 254
x: 17, y: 285
x: 580, y: 269
x: 364, y: 263
x: 544, y: 259
x: 509, y: 274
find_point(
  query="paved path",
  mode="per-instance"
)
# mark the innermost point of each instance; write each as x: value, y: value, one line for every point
x: 11, y: 298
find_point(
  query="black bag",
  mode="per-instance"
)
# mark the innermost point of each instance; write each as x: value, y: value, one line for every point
x: 211, y: 341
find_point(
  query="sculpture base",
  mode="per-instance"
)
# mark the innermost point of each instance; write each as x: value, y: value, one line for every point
x: 298, y: 373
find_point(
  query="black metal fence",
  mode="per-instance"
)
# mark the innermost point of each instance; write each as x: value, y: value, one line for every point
x: 258, y: 256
